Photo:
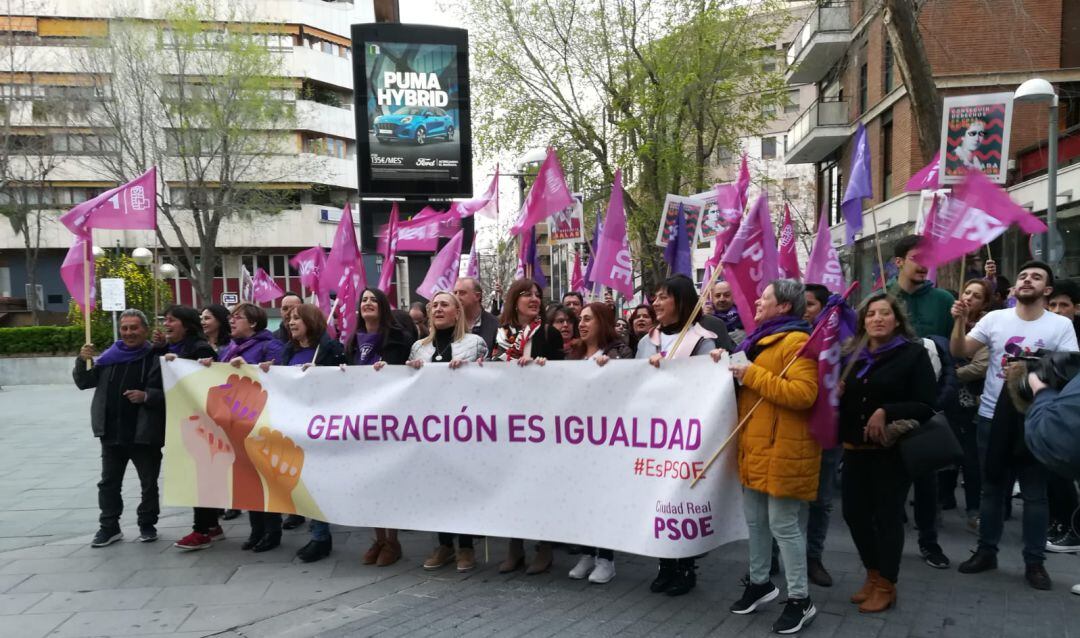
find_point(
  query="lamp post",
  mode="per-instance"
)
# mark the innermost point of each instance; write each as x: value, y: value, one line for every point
x: 1039, y: 90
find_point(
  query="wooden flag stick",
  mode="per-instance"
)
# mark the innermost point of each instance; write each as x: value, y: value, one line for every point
x: 86, y: 297
x: 877, y: 245
x: 697, y: 309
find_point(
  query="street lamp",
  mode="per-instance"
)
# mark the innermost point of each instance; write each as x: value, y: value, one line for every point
x: 142, y: 256
x: 1039, y: 90
x: 98, y: 252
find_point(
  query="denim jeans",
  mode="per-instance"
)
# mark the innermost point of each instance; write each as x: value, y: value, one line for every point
x: 769, y: 517
x: 320, y: 531
x: 818, y: 525
x: 1036, y: 517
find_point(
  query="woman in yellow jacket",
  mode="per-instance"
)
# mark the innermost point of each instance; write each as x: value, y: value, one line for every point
x: 778, y: 458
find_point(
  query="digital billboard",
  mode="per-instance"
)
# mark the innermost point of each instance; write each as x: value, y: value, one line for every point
x: 412, y: 110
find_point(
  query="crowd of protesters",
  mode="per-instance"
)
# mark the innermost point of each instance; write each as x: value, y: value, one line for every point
x: 918, y: 350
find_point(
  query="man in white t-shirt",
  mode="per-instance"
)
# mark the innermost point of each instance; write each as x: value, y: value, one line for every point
x: 1025, y: 329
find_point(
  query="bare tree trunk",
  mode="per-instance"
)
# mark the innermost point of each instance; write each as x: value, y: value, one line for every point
x: 902, y: 27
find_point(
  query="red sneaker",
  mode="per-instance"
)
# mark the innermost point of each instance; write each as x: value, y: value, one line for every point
x: 216, y: 533
x: 194, y: 541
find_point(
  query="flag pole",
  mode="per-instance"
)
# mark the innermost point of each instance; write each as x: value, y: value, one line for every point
x: 877, y: 246
x: 742, y: 422
x: 697, y: 308
x: 86, y: 296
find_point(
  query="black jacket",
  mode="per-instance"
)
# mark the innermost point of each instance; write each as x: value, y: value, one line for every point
x: 488, y: 329
x: 547, y: 343
x: 191, y: 348
x: 395, y: 350
x: 329, y: 353
x: 719, y: 328
x: 150, y: 416
x: 902, y: 383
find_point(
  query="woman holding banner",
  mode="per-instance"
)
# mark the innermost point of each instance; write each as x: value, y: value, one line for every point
x: 448, y: 341
x: 565, y: 321
x: 380, y: 340
x: 890, y: 380
x: 599, y: 342
x: 779, y: 460
x: 215, y: 324
x: 309, y: 345
x: 674, y: 304
x: 642, y: 321
x: 523, y: 337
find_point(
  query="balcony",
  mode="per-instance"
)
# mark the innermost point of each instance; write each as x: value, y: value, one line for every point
x: 819, y: 44
x: 820, y: 130
x: 323, y: 118
x: 329, y: 69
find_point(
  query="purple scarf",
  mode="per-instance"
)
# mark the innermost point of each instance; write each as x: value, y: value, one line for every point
x: 118, y: 352
x: 368, y: 348
x: 247, y: 347
x: 783, y: 323
x: 731, y: 318
x: 867, y: 357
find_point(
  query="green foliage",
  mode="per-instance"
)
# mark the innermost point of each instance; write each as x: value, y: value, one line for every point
x: 40, y: 340
x: 139, y: 291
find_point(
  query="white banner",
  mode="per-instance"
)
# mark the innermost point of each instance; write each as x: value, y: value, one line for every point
x: 567, y: 452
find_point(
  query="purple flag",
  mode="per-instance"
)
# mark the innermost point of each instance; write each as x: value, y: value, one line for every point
x: 978, y: 212
x: 614, y: 265
x: 926, y: 178
x: 263, y: 288
x: 858, y: 186
x: 486, y: 205
x: 592, y: 253
x: 473, y: 269
x: 836, y: 323
x: 79, y: 257
x: 529, y: 260
x: 677, y: 252
x: 929, y: 230
x: 343, y: 319
x: 128, y: 207
x: 547, y: 196
x: 443, y: 273
x: 751, y: 260
x: 344, y: 255
x: 731, y: 198
x: 789, y: 259
x: 824, y: 265
x: 386, y: 275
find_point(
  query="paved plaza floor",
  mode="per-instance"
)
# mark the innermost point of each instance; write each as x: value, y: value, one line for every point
x: 52, y: 583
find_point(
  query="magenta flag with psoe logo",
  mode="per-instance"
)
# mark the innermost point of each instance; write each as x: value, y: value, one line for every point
x: 835, y: 324
x: 928, y: 229
x: 731, y: 199
x: 343, y: 318
x: 473, y: 269
x: 422, y: 233
x: 344, y: 255
x: 824, y: 264
x: 548, y: 195
x: 614, y: 264
x: 79, y: 257
x: 443, y: 273
x: 132, y: 206
x: 486, y: 205
x: 978, y: 212
x: 389, y: 252
x: 926, y: 178
x: 577, y: 277
x: 310, y: 263
x: 263, y: 288
x: 751, y: 261
x: 789, y: 259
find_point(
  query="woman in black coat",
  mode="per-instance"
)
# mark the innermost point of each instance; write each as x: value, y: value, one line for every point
x: 890, y: 380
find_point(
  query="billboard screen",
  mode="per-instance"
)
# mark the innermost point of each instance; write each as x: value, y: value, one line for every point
x: 412, y: 110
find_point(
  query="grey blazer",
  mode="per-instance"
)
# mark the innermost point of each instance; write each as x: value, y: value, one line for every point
x: 470, y: 348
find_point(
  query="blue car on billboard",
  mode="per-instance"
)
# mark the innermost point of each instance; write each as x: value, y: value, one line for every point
x: 415, y: 124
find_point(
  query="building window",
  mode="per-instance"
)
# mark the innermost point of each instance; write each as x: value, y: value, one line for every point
x: 864, y: 89
x: 791, y: 188
x: 768, y: 148
x: 887, y: 62
x: 792, y: 104
x: 886, y: 155
x: 829, y: 190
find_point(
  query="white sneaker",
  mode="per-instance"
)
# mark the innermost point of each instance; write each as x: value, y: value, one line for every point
x: 604, y: 572
x: 1076, y: 589
x: 583, y: 567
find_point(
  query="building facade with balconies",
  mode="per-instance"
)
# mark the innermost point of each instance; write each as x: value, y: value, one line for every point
x: 843, y: 51
x: 313, y: 170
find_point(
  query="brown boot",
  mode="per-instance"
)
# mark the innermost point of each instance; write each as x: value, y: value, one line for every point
x: 466, y: 560
x: 541, y: 562
x: 372, y: 554
x: 390, y: 554
x: 860, y: 596
x: 883, y: 597
x: 515, y: 556
x: 441, y: 556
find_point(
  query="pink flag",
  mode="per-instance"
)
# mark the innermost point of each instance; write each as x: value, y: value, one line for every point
x: 577, y: 278
x: 309, y: 263
x: 614, y: 265
x: 263, y: 288
x: 443, y: 273
x: 344, y: 255
x: 547, y: 196
x: 344, y: 320
x: 731, y: 198
x: 978, y: 212
x: 824, y: 265
x: 751, y: 261
x: 422, y: 232
x: 389, y: 264
x: 486, y: 205
x: 473, y: 269
x: 79, y: 256
x: 789, y: 260
x: 926, y: 178
x: 928, y: 229
x: 835, y: 324
x: 129, y: 207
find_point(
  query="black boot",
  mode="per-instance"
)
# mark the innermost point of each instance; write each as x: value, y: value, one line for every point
x: 253, y: 539
x: 268, y: 542
x: 315, y: 550
x: 685, y: 577
x: 292, y: 521
x: 664, y: 577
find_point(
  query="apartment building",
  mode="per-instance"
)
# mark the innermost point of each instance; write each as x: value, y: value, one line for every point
x: 973, y: 47
x: 313, y: 173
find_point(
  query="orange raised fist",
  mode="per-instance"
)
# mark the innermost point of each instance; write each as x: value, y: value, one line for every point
x: 280, y: 461
x: 236, y: 406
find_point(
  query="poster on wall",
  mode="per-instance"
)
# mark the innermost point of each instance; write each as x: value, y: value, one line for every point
x: 711, y: 224
x: 412, y: 100
x: 692, y: 209
x: 566, y: 225
x: 975, y: 136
